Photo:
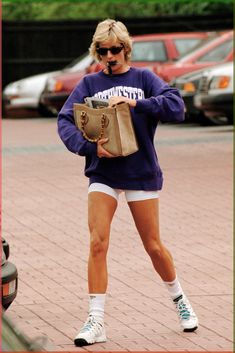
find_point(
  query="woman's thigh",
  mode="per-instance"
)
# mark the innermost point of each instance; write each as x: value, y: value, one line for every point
x: 146, y: 217
x: 101, y: 208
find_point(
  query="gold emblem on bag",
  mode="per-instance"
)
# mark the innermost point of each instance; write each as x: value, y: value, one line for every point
x: 84, y: 121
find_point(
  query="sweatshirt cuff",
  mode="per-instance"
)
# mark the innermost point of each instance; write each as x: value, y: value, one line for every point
x: 88, y: 149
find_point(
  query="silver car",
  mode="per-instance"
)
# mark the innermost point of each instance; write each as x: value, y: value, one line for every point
x: 215, y: 94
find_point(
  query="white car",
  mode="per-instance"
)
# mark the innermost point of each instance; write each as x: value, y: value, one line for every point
x: 25, y: 94
x: 215, y: 94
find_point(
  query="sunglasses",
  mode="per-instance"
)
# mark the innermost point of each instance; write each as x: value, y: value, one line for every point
x: 113, y: 50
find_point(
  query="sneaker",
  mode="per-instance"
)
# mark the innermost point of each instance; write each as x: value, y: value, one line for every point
x: 187, y: 317
x: 93, y: 331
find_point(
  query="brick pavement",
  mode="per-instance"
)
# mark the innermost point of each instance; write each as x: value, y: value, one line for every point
x: 44, y: 220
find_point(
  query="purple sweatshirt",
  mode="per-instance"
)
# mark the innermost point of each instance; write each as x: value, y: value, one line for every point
x: 156, y: 101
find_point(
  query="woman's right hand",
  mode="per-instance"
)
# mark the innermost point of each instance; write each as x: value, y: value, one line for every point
x: 101, y: 151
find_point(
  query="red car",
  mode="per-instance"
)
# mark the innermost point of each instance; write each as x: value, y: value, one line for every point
x: 216, y: 51
x: 148, y: 50
x: 58, y: 88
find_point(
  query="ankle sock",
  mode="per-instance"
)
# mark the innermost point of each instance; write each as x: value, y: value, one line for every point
x: 96, y: 305
x: 174, y: 288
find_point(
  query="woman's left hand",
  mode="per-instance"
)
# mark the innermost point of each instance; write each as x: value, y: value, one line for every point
x: 119, y: 99
x: 101, y: 151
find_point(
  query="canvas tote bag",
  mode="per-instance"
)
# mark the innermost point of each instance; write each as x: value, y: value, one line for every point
x: 112, y: 122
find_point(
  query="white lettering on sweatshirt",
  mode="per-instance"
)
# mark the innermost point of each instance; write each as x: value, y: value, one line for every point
x: 129, y: 92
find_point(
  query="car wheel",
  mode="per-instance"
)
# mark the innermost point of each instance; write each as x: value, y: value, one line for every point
x: 230, y: 119
x: 219, y: 120
x: 204, y: 120
x: 43, y: 111
x: 201, y: 119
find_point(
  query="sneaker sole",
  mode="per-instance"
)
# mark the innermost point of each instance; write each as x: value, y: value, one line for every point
x: 80, y: 342
x: 190, y: 329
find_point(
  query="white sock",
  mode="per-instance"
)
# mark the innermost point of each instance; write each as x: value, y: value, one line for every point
x: 96, y: 305
x: 174, y: 288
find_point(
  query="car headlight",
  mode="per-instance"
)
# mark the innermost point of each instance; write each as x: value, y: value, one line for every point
x: 220, y: 82
x: 50, y: 84
x: 54, y: 85
x: 13, y: 88
x: 189, y: 87
x: 58, y: 86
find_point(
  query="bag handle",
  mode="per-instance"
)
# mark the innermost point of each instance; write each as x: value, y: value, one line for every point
x: 84, y: 121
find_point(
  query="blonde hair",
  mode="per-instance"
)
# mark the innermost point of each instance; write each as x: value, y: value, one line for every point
x: 114, y: 31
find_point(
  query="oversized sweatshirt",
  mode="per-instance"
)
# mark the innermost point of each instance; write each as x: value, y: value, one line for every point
x: 156, y: 101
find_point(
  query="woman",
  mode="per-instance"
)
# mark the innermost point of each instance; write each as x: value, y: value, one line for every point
x: 138, y: 175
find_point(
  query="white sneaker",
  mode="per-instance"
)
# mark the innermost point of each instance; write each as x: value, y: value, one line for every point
x: 187, y: 317
x: 93, y: 331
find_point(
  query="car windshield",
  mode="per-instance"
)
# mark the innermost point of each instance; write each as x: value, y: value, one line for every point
x: 191, y: 54
x: 193, y: 50
x: 217, y: 54
x: 149, y: 51
x: 79, y: 64
x: 184, y: 45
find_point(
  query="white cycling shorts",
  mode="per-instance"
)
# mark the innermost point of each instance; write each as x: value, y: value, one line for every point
x: 131, y: 195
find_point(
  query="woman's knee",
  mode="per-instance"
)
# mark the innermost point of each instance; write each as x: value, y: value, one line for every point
x: 98, y: 245
x: 155, y: 250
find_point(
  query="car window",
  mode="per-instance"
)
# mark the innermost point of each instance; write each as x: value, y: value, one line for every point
x: 149, y: 51
x: 81, y: 63
x: 219, y: 53
x: 186, y: 44
x: 201, y: 46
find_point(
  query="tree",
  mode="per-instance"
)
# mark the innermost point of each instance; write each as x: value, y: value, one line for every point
x: 89, y: 9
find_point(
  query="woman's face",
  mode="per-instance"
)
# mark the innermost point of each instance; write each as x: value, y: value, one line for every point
x: 114, y: 56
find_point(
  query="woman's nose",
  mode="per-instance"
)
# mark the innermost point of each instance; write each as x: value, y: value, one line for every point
x: 109, y: 54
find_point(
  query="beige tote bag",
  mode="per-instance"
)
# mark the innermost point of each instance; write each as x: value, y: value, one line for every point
x: 112, y: 122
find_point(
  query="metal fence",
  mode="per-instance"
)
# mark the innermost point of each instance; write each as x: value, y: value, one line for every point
x: 33, y: 47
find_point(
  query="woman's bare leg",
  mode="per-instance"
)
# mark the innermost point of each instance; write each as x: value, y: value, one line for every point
x: 101, y: 208
x: 146, y: 216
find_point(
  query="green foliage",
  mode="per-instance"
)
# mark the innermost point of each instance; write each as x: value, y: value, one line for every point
x: 90, y: 9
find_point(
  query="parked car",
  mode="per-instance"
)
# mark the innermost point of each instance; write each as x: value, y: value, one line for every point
x: 215, y: 94
x: 148, y: 50
x: 25, y: 94
x: 58, y: 88
x: 216, y: 51
x: 188, y: 85
x: 9, y: 277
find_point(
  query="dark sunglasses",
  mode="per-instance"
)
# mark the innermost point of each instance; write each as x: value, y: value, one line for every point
x: 113, y: 50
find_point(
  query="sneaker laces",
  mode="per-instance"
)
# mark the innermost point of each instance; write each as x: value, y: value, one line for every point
x: 184, y: 309
x: 91, y: 325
